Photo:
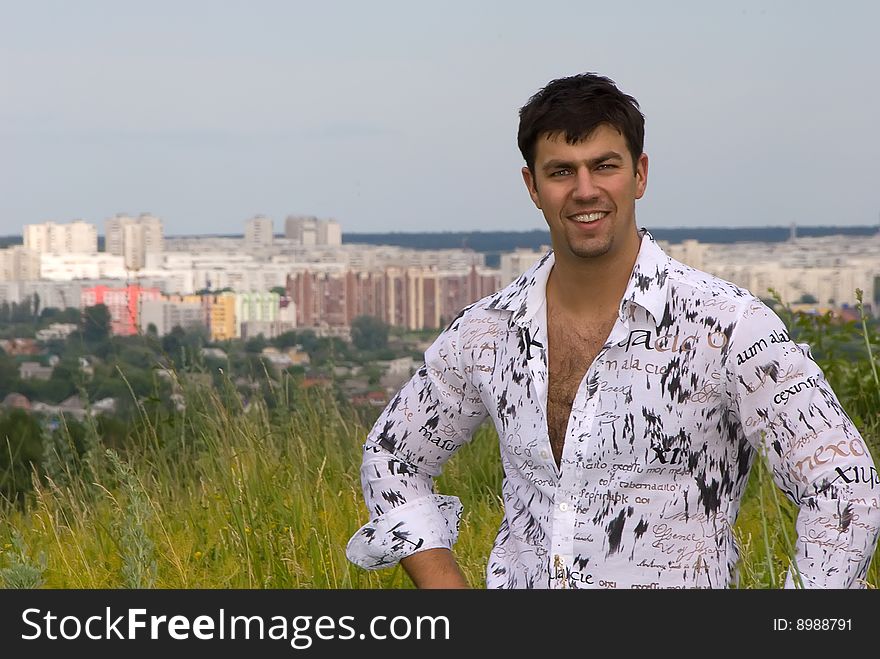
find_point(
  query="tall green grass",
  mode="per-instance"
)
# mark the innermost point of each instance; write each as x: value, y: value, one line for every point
x: 223, y: 497
x: 215, y: 497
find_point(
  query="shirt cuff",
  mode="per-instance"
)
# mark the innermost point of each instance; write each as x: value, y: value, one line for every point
x: 425, y: 523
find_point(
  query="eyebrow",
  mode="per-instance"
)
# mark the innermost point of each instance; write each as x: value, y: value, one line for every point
x: 592, y: 162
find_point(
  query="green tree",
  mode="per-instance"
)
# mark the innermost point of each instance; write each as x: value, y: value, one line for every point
x: 50, y: 314
x: 107, y: 384
x: 23, y: 312
x: 256, y: 344
x: 285, y: 340
x: 369, y: 333
x: 135, y: 353
x: 62, y: 383
x: 373, y: 374
x: 96, y: 323
x: 183, y: 347
x: 8, y: 374
x: 329, y: 350
x: 21, y: 448
x: 308, y: 340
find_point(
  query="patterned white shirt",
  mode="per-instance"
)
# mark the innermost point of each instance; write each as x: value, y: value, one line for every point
x: 695, y: 377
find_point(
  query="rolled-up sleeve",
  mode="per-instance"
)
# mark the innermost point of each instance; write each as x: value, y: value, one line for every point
x: 430, y: 418
x: 789, y: 412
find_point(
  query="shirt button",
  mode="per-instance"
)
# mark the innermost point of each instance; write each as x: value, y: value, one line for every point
x: 563, y: 506
x: 544, y: 454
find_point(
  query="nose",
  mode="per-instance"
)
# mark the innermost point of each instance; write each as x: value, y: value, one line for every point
x: 585, y: 187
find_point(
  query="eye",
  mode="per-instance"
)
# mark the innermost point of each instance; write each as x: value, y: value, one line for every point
x: 607, y: 165
x: 561, y: 172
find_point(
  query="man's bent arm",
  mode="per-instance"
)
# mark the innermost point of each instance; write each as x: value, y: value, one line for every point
x: 432, y: 416
x: 817, y: 457
x: 434, y: 568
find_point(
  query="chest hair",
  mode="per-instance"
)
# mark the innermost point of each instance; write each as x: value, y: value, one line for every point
x: 572, y: 348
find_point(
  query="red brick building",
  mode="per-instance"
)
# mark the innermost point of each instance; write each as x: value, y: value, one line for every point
x: 414, y: 298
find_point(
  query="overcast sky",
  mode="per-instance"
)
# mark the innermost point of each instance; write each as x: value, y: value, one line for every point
x: 402, y: 116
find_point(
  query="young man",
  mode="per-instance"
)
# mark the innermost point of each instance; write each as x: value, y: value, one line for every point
x: 631, y: 394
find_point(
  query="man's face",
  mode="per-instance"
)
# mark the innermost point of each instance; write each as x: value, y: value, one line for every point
x: 587, y: 191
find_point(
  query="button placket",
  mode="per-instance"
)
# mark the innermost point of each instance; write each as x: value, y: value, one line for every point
x: 562, y: 534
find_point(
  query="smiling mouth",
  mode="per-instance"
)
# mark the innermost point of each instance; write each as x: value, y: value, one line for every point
x: 588, y: 218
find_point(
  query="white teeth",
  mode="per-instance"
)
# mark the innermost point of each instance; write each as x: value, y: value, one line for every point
x: 590, y: 217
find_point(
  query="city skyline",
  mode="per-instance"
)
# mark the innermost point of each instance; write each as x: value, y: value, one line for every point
x: 282, y: 231
x: 402, y: 118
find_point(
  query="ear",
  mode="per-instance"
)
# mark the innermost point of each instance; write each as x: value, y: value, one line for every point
x: 529, y: 180
x: 641, y: 175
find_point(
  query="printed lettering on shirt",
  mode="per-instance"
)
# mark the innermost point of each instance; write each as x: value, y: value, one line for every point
x: 482, y: 336
x: 834, y: 542
x: 710, y: 391
x: 673, y: 343
x: 859, y: 474
x: 755, y: 308
x: 635, y: 364
x: 771, y: 373
x: 785, y: 394
x: 839, y: 522
x: 746, y: 355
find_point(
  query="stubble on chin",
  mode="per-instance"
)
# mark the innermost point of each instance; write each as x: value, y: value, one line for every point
x: 589, y: 249
x: 587, y: 252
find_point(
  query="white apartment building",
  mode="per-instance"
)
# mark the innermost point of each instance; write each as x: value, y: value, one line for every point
x: 60, y: 295
x: 165, y: 315
x: 308, y: 230
x: 185, y: 273
x: 258, y: 232
x: 513, y: 264
x: 255, y: 307
x: 113, y: 233
x: 77, y: 237
x: 303, y: 230
x: 185, y: 251
x: 829, y: 268
x: 253, y: 277
x: 18, y: 263
x: 133, y: 238
x: 829, y: 286
x: 377, y: 257
x: 198, y: 244
x: 55, y: 331
x: 66, y: 267
x: 691, y: 252
x: 329, y: 232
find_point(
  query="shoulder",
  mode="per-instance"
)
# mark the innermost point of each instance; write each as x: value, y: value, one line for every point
x: 717, y: 303
x: 702, y: 286
x: 478, y: 322
x: 493, y: 309
x: 712, y: 298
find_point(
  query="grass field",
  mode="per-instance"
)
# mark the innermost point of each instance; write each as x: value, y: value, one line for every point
x: 228, y: 498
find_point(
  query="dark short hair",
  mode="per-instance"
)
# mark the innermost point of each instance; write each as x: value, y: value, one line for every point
x: 575, y: 106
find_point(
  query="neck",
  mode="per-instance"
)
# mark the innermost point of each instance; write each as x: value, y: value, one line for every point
x: 589, y: 286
